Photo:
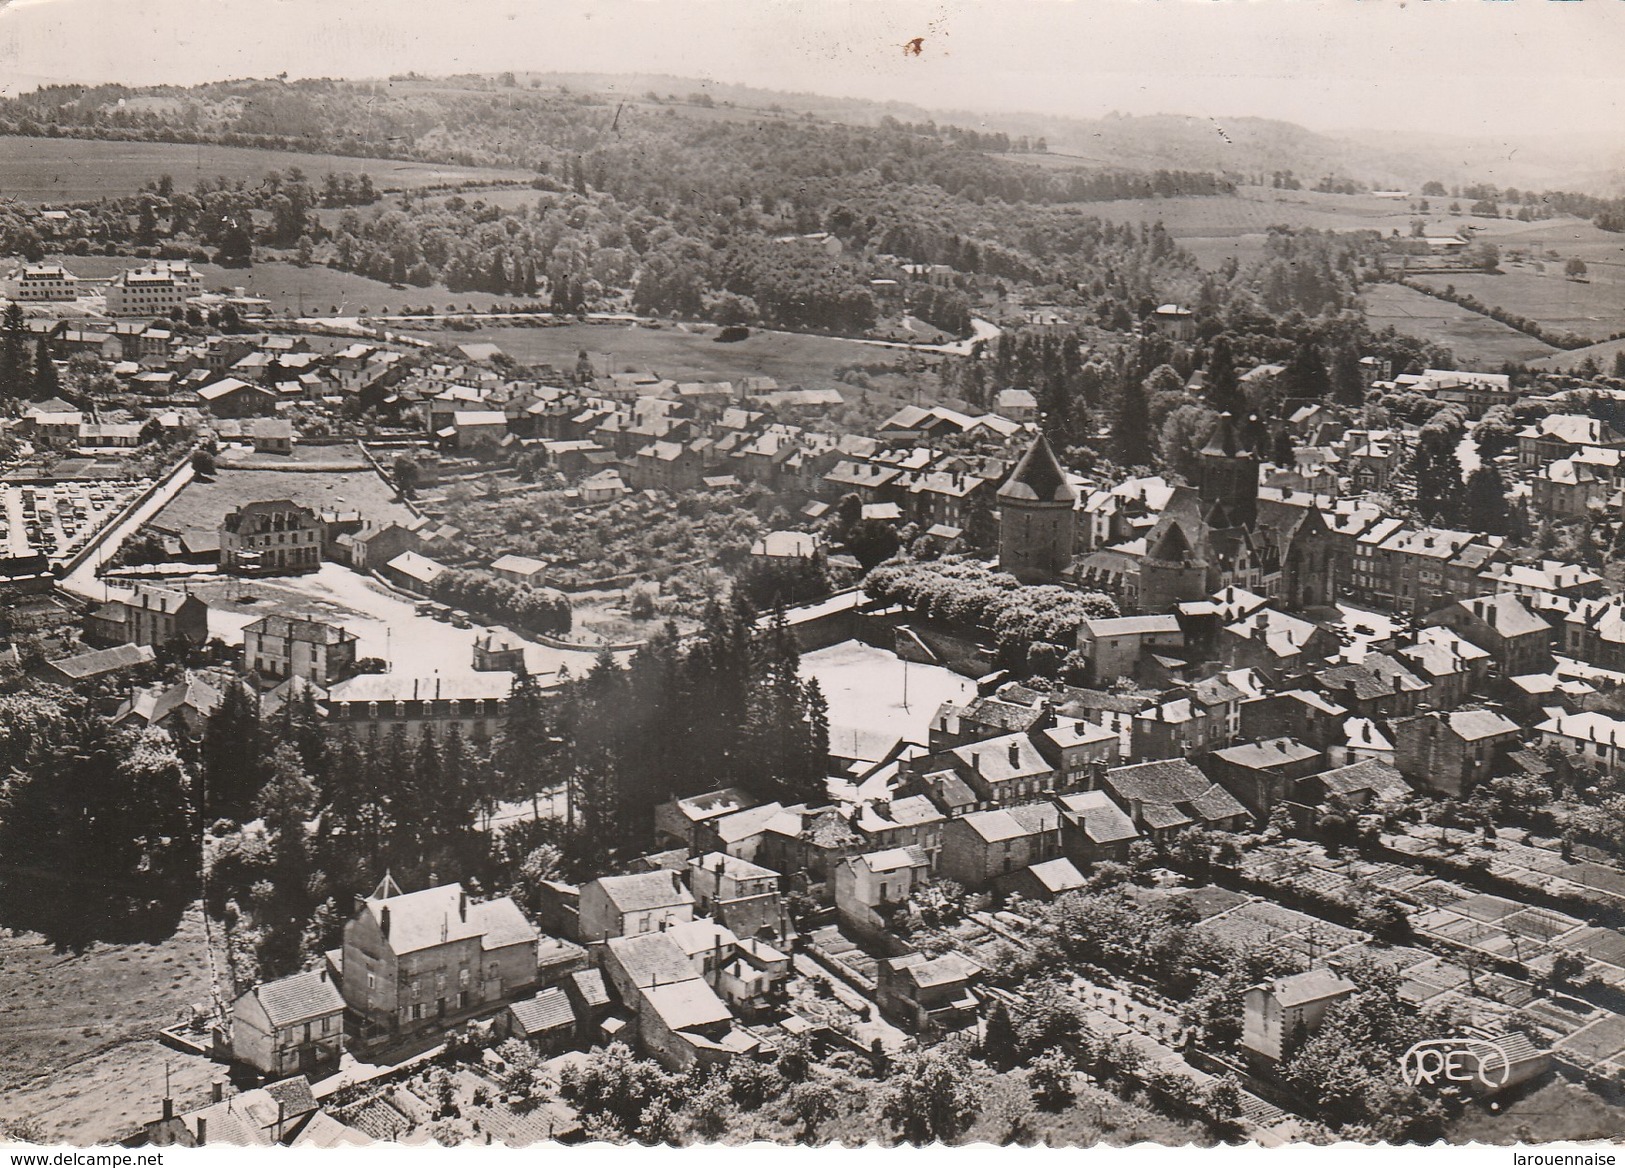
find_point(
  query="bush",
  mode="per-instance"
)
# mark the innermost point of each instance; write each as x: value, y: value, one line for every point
x: 1050, y: 1079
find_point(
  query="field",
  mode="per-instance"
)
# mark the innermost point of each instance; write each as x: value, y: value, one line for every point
x: 1603, y: 354
x: 202, y: 505
x: 1215, y: 228
x: 865, y: 688
x: 680, y: 354
x: 67, y: 170
x: 1476, y: 340
x: 1557, y: 1109
x: 312, y: 291
x: 1594, y: 309
x: 78, y: 1050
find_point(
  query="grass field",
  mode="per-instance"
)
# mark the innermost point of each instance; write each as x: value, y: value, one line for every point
x: 1475, y: 339
x: 78, y: 1050
x: 792, y: 358
x: 317, y: 290
x: 1555, y: 1110
x: 66, y: 170
x: 1218, y: 227
x: 202, y: 505
x: 1594, y: 309
x: 1603, y: 354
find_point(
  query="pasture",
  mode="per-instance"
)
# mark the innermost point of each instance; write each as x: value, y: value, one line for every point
x: 1215, y: 228
x: 1593, y: 308
x: 315, y: 290
x: 1476, y: 340
x: 681, y: 352
x: 69, y: 170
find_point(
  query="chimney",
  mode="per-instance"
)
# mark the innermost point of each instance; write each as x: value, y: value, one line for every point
x: 383, y: 921
x: 1015, y: 754
x: 462, y: 905
x: 217, y: 1089
x: 169, y: 1108
x: 975, y: 762
x: 202, y: 1130
x: 677, y: 881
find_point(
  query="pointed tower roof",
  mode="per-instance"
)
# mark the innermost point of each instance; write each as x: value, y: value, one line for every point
x: 1038, y: 477
x: 1227, y: 440
x: 1171, y: 547
x: 386, y: 889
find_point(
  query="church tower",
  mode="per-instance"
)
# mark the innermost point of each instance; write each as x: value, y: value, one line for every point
x: 1036, y: 517
x: 1229, y: 471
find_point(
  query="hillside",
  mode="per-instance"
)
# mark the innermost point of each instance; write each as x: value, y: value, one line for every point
x: 412, y: 107
x: 1180, y: 142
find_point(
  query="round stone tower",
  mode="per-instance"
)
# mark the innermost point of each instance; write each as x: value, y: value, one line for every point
x: 1036, y: 517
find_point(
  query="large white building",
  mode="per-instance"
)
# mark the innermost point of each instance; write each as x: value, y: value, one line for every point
x: 42, y: 282
x: 153, y: 290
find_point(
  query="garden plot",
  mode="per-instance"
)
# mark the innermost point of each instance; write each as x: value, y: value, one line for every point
x: 1598, y: 1042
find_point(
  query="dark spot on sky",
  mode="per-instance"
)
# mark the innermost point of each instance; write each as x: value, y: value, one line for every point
x: 914, y: 47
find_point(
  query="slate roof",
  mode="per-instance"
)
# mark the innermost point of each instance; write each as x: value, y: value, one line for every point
x: 299, y: 996
x: 1165, y: 788
x: 589, y: 984
x: 1271, y: 752
x: 641, y: 891
x: 1371, y: 678
x: 1473, y: 725
x: 1038, y: 477
x: 652, y: 959
x: 548, y: 1010
x: 1103, y: 821
x: 895, y: 859
x: 1057, y: 876
x: 1369, y: 775
x: 300, y: 629
x: 100, y: 661
x: 1311, y: 986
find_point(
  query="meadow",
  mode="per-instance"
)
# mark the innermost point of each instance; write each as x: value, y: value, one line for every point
x: 315, y: 290
x: 1216, y: 228
x: 1593, y: 308
x: 679, y: 353
x: 1476, y: 340
x: 68, y: 170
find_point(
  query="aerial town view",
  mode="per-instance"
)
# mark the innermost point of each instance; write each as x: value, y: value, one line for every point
x: 595, y: 605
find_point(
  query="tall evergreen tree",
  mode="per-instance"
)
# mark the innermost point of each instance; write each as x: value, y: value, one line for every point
x: 1223, y: 388
x: 46, y: 382
x: 1486, y: 504
x: 15, y: 374
x: 1131, y: 429
x: 231, y: 759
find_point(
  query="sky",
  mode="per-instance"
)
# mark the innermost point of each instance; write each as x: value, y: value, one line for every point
x: 1461, y: 67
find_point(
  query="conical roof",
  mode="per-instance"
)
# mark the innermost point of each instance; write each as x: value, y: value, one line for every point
x: 1038, y: 477
x: 1227, y: 439
x: 1171, y: 546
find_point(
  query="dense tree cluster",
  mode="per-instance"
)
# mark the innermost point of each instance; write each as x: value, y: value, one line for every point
x: 97, y: 823
x: 333, y: 816
x: 542, y: 610
x: 965, y: 592
x: 727, y: 708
